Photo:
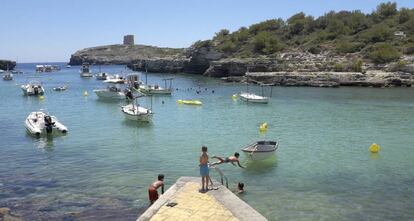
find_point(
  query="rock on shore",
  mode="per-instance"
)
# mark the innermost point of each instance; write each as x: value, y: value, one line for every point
x: 4, y: 64
x: 294, y: 68
x: 330, y: 79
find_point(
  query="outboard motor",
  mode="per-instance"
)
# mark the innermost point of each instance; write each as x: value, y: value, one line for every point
x: 129, y: 95
x: 36, y: 90
x: 48, y: 124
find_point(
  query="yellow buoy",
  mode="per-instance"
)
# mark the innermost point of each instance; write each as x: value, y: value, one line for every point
x: 374, y: 148
x: 263, y: 127
x: 41, y: 97
x: 85, y: 93
x: 234, y: 96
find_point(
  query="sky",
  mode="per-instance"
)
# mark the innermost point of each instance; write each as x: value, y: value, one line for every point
x: 52, y: 30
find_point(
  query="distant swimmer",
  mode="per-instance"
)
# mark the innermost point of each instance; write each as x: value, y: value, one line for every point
x: 231, y: 159
x: 152, y: 189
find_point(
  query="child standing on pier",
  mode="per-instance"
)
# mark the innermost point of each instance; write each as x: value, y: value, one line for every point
x: 204, y: 169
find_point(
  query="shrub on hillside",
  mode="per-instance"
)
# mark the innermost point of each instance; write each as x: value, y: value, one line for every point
x: 344, y: 46
x: 356, y: 65
x: 266, y: 43
x: 378, y: 33
x: 383, y: 53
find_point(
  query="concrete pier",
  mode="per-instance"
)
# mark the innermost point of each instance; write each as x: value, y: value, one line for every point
x: 217, y: 204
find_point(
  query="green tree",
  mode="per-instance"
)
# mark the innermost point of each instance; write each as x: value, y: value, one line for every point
x: 405, y: 15
x: 296, y: 23
x: 385, y: 10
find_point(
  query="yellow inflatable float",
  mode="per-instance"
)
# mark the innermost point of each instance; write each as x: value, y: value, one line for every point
x: 374, y: 148
x: 85, y: 93
x: 190, y: 102
x: 263, y: 127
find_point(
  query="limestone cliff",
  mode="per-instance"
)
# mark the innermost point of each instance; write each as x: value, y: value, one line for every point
x: 4, y: 64
x: 124, y: 54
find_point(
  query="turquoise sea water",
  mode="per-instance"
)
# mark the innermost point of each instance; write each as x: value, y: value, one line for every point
x: 101, y: 169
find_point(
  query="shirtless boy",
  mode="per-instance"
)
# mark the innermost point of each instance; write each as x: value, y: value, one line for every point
x: 204, y: 169
x: 231, y: 159
x: 152, y: 189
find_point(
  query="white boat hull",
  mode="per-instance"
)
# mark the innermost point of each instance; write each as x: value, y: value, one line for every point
x: 35, y: 125
x: 260, y: 150
x: 147, y: 89
x: 253, y: 98
x: 259, y: 155
x: 107, y: 94
x: 86, y: 75
x: 137, y: 113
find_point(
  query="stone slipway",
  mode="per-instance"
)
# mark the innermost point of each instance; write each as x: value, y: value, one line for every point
x: 220, y: 204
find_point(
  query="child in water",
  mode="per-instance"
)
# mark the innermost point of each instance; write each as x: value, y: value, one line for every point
x: 240, y: 188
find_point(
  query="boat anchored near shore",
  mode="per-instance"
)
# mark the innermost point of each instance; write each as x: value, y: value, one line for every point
x: 260, y: 150
x: 85, y: 70
x: 39, y: 123
x: 136, y: 112
x: 34, y: 87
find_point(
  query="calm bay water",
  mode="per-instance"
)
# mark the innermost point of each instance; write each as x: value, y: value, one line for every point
x: 102, y: 167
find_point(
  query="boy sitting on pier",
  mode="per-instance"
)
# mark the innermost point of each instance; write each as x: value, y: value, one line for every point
x: 152, y: 189
x: 231, y: 159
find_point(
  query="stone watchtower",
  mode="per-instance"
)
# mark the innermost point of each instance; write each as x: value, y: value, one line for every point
x: 129, y: 40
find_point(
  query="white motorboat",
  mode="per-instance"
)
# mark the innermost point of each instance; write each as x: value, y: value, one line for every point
x: 17, y: 72
x: 85, y: 70
x: 136, y: 112
x: 250, y: 97
x: 61, y: 88
x: 34, y: 87
x: 8, y: 76
x: 38, y: 123
x: 102, y: 76
x: 154, y: 89
x: 116, y: 79
x: 260, y: 150
x: 112, y: 93
x: 47, y: 68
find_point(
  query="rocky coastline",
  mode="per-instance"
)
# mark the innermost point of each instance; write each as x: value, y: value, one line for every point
x: 295, y: 68
x: 7, y: 64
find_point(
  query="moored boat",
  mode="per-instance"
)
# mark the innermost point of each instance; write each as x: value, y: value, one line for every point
x: 250, y: 97
x: 8, y: 76
x: 116, y: 79
x: 85, y: 70
x: 39, y: 123
x: 136, y: 112
x: 112, y: 93
x: 156, y: 89
x: 260, y: 150
x: 102, y: 76
x: 61, y: 88
x: 34, y: 87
